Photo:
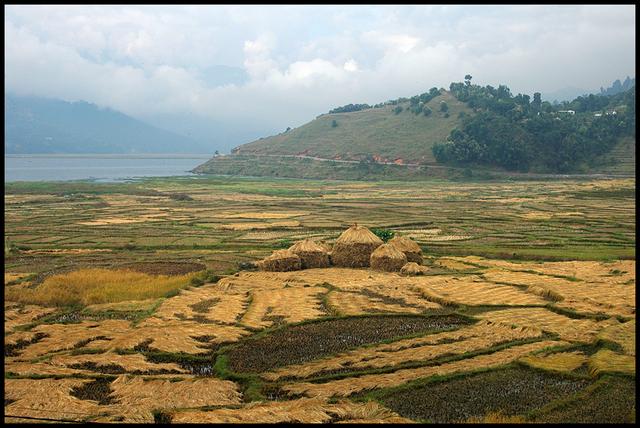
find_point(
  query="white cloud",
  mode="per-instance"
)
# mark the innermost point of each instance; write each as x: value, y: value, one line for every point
x: 306, y: 70
x: 258, y: 61
x: 303, y: 60
x: 397, y: 42
x: 351, y: 65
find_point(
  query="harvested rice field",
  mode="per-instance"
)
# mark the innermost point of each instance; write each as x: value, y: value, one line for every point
x: 125, y: 304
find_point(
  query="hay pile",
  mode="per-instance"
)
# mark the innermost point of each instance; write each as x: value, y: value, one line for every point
x: 312, y: 254
x: 280, y: 261
x: 413, y: 268
x: 354, y: 247
x: 388, y: 258
x: 408, y: 247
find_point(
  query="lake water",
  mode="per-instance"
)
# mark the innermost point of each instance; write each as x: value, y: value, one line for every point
x: 98, y: 167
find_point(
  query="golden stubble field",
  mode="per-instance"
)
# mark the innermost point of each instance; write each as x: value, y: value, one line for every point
x: 548, y: 294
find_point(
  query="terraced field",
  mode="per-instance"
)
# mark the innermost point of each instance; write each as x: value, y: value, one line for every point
x: 530, y: 287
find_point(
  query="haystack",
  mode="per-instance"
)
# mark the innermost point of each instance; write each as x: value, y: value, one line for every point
x: 408, y: 247
x: 311, y: 253
x: 388, y: 258
x: 280, y: 261
x: 354, y: 247
x: 413, y: 269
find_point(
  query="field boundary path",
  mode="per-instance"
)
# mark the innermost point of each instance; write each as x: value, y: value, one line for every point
x: 436, y: 166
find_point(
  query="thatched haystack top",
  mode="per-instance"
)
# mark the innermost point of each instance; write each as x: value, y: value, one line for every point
x: 325, y: 246
x: 387, y: 251
x: 307, y: 246
x: 281, y: 254
x: 312, y: 254
x: 405, y: 244
x: 280, y: 261
x: 409, y: 247
x: 358, y: 235
x: 388, y: 258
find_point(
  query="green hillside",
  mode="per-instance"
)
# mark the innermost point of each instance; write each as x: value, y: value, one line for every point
x: 377, y: 132
x: 620, y: 160
x: 468, y: 130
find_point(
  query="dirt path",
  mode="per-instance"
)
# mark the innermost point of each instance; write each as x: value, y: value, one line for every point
x: 506, y: 174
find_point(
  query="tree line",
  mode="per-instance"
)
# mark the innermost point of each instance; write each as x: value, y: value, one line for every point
x: 520, y: 134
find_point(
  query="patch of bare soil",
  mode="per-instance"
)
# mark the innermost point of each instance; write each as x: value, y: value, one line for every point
x: 99, y: 390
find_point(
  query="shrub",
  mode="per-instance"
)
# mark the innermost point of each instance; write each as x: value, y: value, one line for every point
x: 349, y: 108
x: 196, y: 282
x: 384, y: 234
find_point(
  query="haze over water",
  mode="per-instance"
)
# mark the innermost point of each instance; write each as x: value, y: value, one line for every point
x: 97, y: 167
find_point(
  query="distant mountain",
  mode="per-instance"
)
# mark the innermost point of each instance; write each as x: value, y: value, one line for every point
x: 42, y: 125
x: 221, y: 135
x: 570, y: 93
x: 618, y: 87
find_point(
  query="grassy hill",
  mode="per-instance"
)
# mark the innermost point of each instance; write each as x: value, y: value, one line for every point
x: 620, y: 160
x: 378, y: 132
x: 494, y: 132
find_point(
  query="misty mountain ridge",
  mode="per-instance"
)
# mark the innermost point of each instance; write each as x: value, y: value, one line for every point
x: 221, y: 135
x: 618, y: 87
x: 570, y: 93
x: 44, y: 125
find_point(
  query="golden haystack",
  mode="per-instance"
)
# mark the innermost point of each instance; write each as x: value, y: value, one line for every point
x: 388, y: 258
x: 311, y: 253
x: 324, y: 245
x: 408, y: 247
x: 280, y: 261
x: 354, y: 247
x: 413, y: 268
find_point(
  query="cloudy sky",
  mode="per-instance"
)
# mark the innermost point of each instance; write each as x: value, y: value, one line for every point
x: 278, y: 66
